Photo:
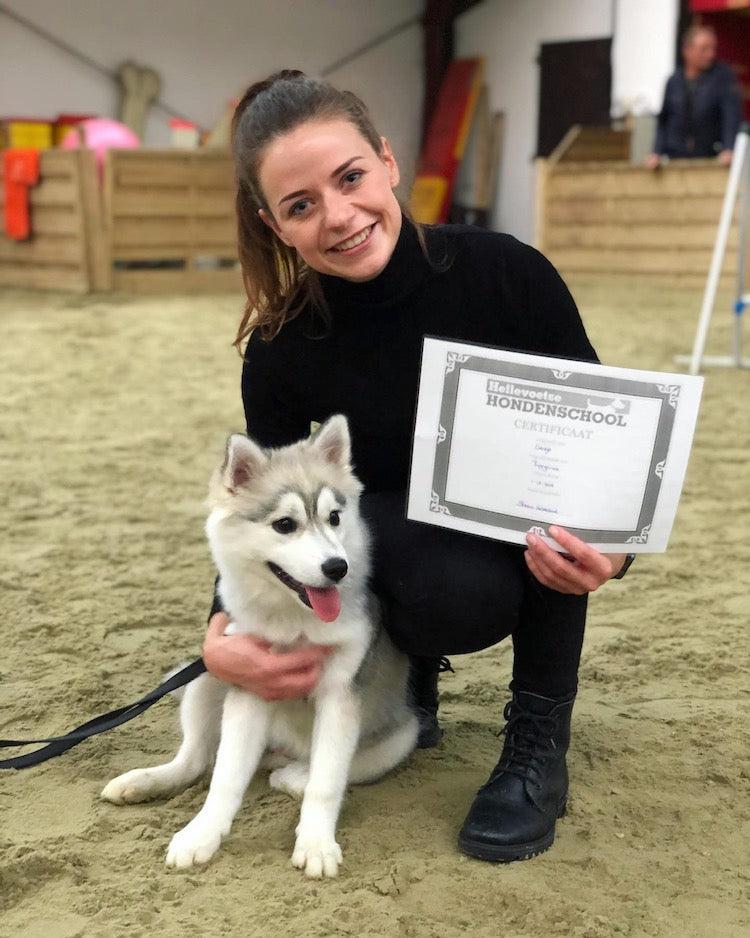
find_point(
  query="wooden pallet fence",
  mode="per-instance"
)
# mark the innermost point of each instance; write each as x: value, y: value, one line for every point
x: 66, y: 250
x: 170, y: 221
x: 617, y: 218
x: 586, y: 144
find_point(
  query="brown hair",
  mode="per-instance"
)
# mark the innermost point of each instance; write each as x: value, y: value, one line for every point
x: 277, y: 283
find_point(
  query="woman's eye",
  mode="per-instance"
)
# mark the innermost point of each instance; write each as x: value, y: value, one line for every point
x: 284, y: 525
x: 299, y: 207
x: 354, y: 176
x: 334, y: 519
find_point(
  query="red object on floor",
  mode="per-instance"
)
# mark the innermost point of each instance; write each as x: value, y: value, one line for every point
x: 20, y: 172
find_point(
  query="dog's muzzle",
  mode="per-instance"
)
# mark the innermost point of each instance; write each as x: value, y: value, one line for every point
x: 325, y: 602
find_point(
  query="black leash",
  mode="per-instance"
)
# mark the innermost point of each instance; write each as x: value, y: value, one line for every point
x: 107, y: 721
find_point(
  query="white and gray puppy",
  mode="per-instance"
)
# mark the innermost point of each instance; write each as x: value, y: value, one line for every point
x: 292, y: 553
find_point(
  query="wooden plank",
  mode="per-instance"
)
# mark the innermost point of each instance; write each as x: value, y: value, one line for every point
x: 96, y: 254
x: 145, y: 202
x: 605, y: 146
x: 621, y: 279
x: 57, y: 162
x: 171, y: 203
x: 54, y: 164
x: 652, y: 236
x: 153, y: 156
x: 627, y: 211
x: 626, y: 182
x: 55, y: 191
x: 165, y: 251
x: 178, y: 281
x: 605, y: 260
x: 52, y: 220
x: 581, y: 144
x: 132, y: 231
x: 72, y: 279
x: 203, y: 176
x: 490, y: 179
x: 165, y: 167
x: 48, y: 250
x: 565, y: 144
x: 472, y: 167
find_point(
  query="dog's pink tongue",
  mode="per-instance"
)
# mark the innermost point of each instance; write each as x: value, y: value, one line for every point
x: 326, y: 603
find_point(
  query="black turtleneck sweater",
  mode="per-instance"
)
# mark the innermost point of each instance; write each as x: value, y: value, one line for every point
x: 481, y: 287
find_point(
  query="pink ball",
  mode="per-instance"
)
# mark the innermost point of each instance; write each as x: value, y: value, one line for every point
x: 101, y: 134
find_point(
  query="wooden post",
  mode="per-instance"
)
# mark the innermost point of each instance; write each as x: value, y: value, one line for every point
x: 98, y: 261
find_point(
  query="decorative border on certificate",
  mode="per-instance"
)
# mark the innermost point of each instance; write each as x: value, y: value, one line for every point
x: 522, y: 442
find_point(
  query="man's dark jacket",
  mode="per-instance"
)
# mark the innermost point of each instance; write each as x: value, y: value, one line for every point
x: 701, y: 124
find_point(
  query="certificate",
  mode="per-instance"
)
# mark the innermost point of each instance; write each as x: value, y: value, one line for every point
x: 507, y: 443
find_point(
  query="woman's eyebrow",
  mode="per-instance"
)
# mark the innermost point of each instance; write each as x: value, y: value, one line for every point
x: 336, y: 172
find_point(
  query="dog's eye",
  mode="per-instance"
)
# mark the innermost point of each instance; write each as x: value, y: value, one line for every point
x: 334, y: 519
x: 284, y: 525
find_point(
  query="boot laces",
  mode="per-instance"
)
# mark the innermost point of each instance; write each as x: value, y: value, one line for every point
x: 529, y: 738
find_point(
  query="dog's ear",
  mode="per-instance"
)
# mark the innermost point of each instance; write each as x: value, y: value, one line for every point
x: 333, y: 441
x: 243, y: 461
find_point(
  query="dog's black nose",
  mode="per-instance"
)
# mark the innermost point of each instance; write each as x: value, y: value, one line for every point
x: 335, y: 568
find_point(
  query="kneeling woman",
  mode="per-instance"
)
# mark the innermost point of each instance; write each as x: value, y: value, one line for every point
x: 342, y: 287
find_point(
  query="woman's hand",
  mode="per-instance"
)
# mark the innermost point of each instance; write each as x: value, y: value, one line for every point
x: 248, y: 662
x: 581, y: 569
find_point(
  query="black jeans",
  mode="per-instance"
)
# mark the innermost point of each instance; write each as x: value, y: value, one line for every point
x: 448, y: 593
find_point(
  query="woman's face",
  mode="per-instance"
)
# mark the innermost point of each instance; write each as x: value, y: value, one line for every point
x: 330, y: 197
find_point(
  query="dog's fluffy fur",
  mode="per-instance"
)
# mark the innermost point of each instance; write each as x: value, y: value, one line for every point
x: 292, y: 553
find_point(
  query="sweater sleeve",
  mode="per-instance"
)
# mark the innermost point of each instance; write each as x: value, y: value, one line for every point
x: 554, y: 325
x: 270, y: 395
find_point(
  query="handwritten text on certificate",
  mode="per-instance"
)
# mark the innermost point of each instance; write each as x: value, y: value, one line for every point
x: 507, y: 442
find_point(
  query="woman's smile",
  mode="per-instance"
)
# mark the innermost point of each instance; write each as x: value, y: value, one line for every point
x: 354, y: 241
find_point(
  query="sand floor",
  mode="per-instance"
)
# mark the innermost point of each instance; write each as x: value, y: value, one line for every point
x: 114, y: 412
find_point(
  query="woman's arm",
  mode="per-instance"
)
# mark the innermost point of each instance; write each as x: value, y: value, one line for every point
x: 272, y: 393
x: 249, y: 663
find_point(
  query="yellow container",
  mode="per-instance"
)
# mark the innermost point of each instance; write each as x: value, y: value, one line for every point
x: 25, y: 132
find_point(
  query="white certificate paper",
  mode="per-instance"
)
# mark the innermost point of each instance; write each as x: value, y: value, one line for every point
x: 506, y: 443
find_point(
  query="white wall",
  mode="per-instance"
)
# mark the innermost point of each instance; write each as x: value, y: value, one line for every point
x: 207, y: 53
x: 508, y: 33
x: 643, y: 54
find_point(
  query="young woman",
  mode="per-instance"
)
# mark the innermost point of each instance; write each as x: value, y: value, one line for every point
x: 342, y: 286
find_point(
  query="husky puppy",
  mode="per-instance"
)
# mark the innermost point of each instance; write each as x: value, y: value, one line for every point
x: 292, y: 553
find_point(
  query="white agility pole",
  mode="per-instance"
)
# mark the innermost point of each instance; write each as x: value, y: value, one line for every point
x: 738, y: 174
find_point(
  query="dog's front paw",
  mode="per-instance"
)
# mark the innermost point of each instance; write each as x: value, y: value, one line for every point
x: 194, y: 845
x: 318, y: 857
x: 134, y: 786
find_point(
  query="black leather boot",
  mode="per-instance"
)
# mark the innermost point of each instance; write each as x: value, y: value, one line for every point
x: 513, y: 815
x: 423, y: 682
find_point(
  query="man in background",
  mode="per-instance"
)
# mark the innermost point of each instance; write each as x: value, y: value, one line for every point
x: 702, y: 107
